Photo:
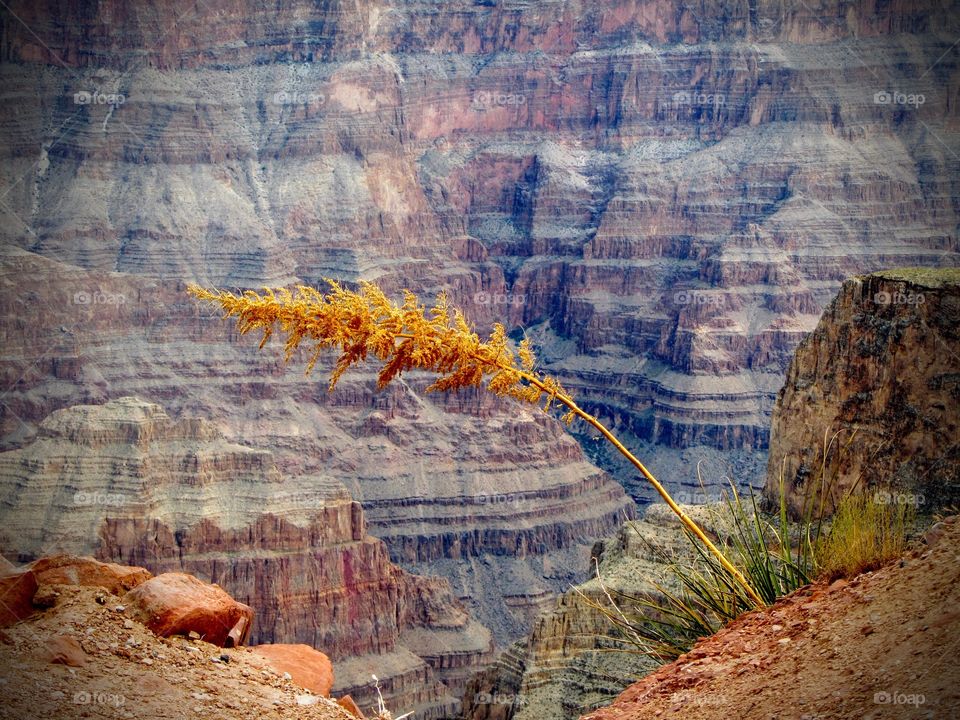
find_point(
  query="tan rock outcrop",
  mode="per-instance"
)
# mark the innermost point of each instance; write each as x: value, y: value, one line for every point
x: 872, y: 400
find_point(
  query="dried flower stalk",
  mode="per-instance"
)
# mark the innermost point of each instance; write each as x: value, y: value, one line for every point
x: 405, y: 337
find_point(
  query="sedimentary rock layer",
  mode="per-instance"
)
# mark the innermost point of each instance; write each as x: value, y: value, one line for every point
x: 872, y: 397
x: 125, y: 482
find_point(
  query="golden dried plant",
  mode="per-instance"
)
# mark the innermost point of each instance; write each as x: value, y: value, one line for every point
x: 364, y: 323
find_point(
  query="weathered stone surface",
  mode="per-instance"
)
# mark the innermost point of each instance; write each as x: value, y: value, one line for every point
x: 70, y: 570
x: 178, y: 603
x: 17, y: 588
x: 65, y: 650
x: 872, y: 398
x: 567, y: 664
x: 308, y: 667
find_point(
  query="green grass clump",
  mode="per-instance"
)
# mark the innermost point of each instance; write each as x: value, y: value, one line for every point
x: 867, y: 531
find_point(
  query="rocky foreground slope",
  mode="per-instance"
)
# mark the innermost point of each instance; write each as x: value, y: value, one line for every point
x: 879, y: 646
x: 78, y: 649
x: 126, y: 483
x: 872, y: 397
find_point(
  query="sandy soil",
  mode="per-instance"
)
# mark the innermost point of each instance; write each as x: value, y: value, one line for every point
x: 128, y: 672
x: 883, y: 645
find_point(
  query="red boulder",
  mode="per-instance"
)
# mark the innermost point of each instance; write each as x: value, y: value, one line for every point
x: 176, y: 603
x: 308, y: 668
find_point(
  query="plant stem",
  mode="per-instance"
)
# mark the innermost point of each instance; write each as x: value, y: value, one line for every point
x: 678, y: 511
x: 684, y: 518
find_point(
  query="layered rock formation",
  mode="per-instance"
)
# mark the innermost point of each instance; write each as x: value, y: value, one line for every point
x: 872, y: 397
x: 125, y: 482
x: 443, y: 478
x: 568, y: 664
x: 662, y: 197
x: 665, y: 197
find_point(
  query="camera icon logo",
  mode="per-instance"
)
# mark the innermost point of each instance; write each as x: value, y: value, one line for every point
x: 882, y: 97
x: 82, y: 98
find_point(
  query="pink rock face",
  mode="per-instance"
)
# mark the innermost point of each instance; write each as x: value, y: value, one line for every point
x: 309, y: 668
x: 71, y: 570
x: 17, y: 589
x: 176, y: 603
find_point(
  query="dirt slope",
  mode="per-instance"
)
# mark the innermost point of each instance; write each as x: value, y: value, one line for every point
x: 883, y: 645
x: 125, y: 671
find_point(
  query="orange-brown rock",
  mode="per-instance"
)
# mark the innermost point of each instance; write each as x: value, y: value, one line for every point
x: 65, y: 650
x: 347, y: 703
x: 182, y: 498
x: 309, y: 668
x: 71, y: 570
x: 17, y: 588
x: 177, y: 603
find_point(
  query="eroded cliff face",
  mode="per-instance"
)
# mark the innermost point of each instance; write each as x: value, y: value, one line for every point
x: 567, y: 665
x: 124, y: 482
x: 872, y: 397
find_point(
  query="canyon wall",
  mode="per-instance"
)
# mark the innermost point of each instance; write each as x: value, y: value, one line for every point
x: 872, y: 397
x: 662, y: 197
x: 124, y: 482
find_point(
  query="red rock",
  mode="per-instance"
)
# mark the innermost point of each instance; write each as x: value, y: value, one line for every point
x: 65, y: 650
x: 71, y: 570
x: 309, y: 668
x: 176, y: 603
x: 16, y: 596
x: 347, y: 703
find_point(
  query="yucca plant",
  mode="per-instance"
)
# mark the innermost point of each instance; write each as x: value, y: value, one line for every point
x: 700, y: 595
x: 365, y: 323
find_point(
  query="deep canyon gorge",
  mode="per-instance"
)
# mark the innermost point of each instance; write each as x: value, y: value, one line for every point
x: 663, y: 197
